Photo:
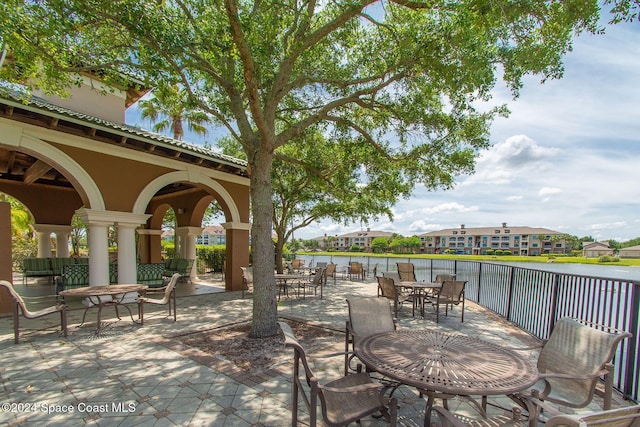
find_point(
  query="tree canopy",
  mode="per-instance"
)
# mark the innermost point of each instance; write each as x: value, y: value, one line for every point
x: 399, y: 86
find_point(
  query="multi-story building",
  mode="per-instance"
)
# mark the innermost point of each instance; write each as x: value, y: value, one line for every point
x: 212, y: 235
x: 345, y: 242
x: 519, y: 240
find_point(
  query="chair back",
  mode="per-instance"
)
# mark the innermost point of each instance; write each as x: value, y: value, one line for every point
x: 247, y: 276
x: 368, y: 316
x: 356, y: 267
x: 317, y: 278
x: 392, y: 275
x: 442, y: 277
x: 17, y: 299
x: 452, y: 291
x: 388, y: 288
x: 331, y: 270
x: 170, y: 287
x: 579, y: 349
x: 406, y: 271
x: 621, y: 417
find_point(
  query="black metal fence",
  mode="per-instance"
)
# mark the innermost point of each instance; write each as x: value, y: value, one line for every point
x: 534, y: 300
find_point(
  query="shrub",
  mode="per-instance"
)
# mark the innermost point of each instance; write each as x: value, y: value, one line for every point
x: 608, y: 258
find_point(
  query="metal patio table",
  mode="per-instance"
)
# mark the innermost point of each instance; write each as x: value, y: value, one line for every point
x: 444, y: 365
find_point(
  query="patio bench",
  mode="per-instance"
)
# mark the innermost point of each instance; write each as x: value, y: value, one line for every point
x: 73, y: 276
x: 36, y: 267
x: 177, y: 265
x: 151, y: 274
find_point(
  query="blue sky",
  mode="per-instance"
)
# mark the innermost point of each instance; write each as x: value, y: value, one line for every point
x: 566, y: 158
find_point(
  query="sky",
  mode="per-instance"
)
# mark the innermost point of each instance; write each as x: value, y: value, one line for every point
x: 566, y: 158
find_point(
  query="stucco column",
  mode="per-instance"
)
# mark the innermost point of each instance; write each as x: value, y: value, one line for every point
x: 149, y: 245
x: 44, y: 243
x: 6, y: 270
x: 188, y: 245
x: 237, y: 253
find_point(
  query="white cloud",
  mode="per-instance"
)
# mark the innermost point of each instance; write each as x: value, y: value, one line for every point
x: 448, y: 207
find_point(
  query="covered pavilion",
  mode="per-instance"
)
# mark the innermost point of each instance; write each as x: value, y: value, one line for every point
x: 59, y: 156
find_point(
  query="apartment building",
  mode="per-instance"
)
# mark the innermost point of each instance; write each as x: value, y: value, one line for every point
x: 345, y: 242
x: 519, y: 240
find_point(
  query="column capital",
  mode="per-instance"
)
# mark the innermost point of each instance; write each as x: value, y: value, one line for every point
x: 52, y: 228
x: 189, y: 230
x: 91, y: 216
x: 149, y: 231
x: 236, y: 225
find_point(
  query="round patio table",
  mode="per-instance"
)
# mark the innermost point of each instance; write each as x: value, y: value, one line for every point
x: 101, y: 296
x: 446, y: 364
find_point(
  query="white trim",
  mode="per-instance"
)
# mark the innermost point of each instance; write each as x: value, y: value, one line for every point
x: 16, y: 136
x: 236, y: 225
x: 154, y: 186
x: 127, y: 153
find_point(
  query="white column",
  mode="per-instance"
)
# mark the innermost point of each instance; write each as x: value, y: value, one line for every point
x: 44, y: 243
x: 98, y: 221
x: 62, y: 239
x: 179, y: 242
x: 188, y: 245
x: 98, y: 239
x: 127, y: 259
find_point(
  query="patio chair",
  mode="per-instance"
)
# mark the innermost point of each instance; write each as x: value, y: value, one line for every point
x: 442, y: 277
x: 247, y: 279
x: 342, y: 401
x: 451, y: 293
x: 330, y: 272
x: 387, y: 289
x: 406, y: 271
x: 356, y: 269
x: 571, y: 363
x: 367, y: 316
x: 19, y: 305
x: 169, y: 299
x: 314, y: 281
x: 621, y: 417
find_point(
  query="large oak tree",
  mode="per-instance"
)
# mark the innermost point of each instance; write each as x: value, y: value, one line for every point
x: 400, y: 85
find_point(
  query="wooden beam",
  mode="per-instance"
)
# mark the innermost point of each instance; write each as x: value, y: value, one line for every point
x: 36, y: 171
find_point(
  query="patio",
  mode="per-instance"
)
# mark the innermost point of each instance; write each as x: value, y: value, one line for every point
x: 132, y: 375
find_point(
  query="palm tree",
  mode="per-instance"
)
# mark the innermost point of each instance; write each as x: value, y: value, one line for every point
x: 170, y: 108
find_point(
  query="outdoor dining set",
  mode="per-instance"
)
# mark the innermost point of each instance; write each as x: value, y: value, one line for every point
x: 441, y: 366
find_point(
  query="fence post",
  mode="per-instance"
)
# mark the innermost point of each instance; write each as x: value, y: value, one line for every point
x: 479, y: 281
x: 510, y: 293
x: 554, y: 303
x: 632, y: 377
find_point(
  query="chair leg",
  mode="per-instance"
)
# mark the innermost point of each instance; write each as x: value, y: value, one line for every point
x: 16, y: 323
x: 175, y: 311
x: 63, y: 321
x: 141, y: 312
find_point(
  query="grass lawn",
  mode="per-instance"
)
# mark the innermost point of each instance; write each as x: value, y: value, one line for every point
x: 509, y: 258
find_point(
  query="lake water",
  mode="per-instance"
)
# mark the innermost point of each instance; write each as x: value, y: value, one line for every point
x: 606, y: 271
x: 610, y: 270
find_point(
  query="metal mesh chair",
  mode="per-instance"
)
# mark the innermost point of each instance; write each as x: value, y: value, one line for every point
x: 621, y: 417
x: 406, y: 270
x: 247, y: 279
x: 571, y: 363
x: 451, y: 293
x: 343, y: 401
x: 169, y: 299
x: 367, y: 316
x: 19, y: 305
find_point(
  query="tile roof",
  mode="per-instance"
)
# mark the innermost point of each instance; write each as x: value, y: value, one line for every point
x: 12, y: 96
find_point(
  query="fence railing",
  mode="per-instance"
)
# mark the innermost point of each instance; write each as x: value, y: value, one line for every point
x: 535, y: 299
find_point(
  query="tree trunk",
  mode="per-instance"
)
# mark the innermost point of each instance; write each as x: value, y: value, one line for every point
x: 265, y: 305
x: 279, y: 254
